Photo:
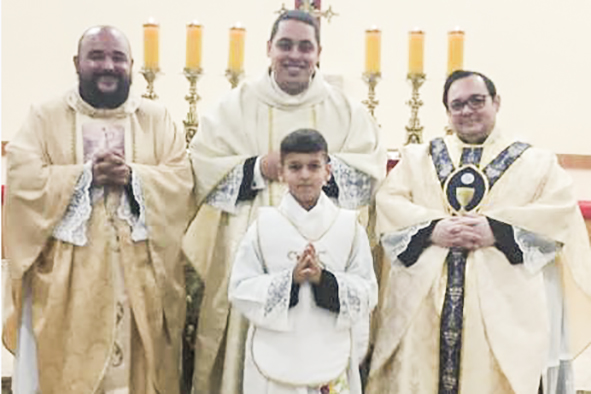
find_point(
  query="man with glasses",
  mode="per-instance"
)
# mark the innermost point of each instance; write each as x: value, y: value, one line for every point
x: 490, y: 278
x: 236, y: 154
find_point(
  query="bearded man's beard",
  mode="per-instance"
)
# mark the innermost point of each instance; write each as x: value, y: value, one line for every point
x: 89, y: 91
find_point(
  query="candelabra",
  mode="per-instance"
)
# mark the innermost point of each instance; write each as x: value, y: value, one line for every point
x: 414, y: 130
x: 192, y: 121
x: 372, y: 79
x: 150, y: 76
x: 234, y: 77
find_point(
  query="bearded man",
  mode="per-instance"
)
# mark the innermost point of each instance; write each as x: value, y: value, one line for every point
x: 98, y: 191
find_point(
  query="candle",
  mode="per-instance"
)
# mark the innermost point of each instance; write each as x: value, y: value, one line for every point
x: 416, y: 50
x: 236, y: 55
x: 151, y: 38
x: 455, y: 54
x: 194, y: 32
x: 373, y: 40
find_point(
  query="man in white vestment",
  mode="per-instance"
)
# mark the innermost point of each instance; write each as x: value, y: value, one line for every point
x: 303, y: 276
x: 98, y: 194
x: 237, y: 151
x: 489, y: 288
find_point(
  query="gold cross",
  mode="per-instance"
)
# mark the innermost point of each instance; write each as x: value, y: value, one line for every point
x: 309, y: 8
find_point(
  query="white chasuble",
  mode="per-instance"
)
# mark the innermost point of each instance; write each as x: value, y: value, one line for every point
x: 250, y: 122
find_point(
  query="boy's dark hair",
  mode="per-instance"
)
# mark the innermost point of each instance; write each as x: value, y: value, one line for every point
x: 460, y: 74
x: 297, y: 15
x: 303, y: 141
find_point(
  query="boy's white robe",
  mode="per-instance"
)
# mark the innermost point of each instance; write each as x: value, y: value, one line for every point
x: 298, y: 349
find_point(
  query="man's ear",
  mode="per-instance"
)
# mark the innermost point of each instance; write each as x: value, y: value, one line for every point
x: 75, y: 59
x: 497, y: 102
x: 269, y: 47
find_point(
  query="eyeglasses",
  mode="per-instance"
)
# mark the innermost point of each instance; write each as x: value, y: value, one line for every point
x: 474, y: 102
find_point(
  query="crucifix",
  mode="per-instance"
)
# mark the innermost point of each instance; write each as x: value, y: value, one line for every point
x: 312, y: 7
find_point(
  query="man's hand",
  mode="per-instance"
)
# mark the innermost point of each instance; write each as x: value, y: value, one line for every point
x: 270, y: 166
x: 307, y: 268
x: 110, y: 169
x: 447, y: 233
x: 480, y: 230
x: 469, y: 232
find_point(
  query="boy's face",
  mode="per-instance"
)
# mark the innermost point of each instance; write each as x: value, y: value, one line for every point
x: 305, y: 174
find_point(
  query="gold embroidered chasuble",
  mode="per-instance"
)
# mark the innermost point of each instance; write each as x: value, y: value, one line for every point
x: 507, y: 327
x: 73, y: 288
x: 252, y: 121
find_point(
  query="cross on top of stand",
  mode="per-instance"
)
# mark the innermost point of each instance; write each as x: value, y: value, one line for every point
x: 312, y: 7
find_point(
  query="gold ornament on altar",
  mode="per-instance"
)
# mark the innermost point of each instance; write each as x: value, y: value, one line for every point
x: 416, y: 76
x: 192, y: 72
x: 414, y: 130
x: 192, y: 122
x: 311, y: 7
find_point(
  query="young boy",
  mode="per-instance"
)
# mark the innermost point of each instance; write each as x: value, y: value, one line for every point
x: 303, y: 276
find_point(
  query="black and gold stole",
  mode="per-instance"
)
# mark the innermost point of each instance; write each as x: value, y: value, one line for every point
x: 464, y: 189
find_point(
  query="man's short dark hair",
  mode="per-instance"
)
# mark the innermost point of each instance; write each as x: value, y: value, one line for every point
x: 460, y: 74
x: 303, y: 141
x: 297, y: 15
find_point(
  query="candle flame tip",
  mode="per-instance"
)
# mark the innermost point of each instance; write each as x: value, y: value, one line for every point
x: 151, y: 21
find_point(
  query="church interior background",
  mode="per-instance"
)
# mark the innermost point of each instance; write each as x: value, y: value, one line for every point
x: 535, y: 52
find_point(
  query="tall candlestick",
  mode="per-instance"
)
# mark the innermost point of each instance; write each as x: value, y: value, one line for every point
x: 416, y: 50
x: 194, y: 33
x: 151, y: 44
x: 373, y: 40
x: 236, y: 55
x: 455, y: 54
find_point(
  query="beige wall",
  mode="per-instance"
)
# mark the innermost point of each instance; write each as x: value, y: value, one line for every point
x: 536, y: 52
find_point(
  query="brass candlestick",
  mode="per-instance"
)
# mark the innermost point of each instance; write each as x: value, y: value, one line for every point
x: 150, y: 76
x: 192, y: 121
x: 234, y: 77
x: 414, y: 130
x: 372, y: 79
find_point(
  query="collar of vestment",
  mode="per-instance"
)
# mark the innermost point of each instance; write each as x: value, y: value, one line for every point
x: 271, y: 94
x: 493, y: 145
x: 494, y: 156
x: 79, y: 105
x: 312, y: 224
